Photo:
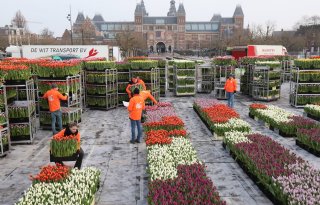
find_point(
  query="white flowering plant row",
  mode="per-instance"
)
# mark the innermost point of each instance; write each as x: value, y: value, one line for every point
x: 234, y: 124
x: 163, y: 160
x: 78, y: 188
x: 313, y: 110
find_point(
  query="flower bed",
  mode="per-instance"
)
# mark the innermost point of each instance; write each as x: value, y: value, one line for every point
x: 44, y: 86
x: 99, y: 65
x: 176, y: 175
x: 225, y: 61
x: 16, y: 112
x: 284, y: 177
x: 14, y: 72
x: 19, y: 131
x: 219, y: 118
x: 58, y: 69
x: 123, y: 66
x: 307, y: 63
x: 143, y: 64
x: 313, y: 111
x: 56, y: 185
x: 309, y: 139
x: 270, y: 64
x: 278, y: 118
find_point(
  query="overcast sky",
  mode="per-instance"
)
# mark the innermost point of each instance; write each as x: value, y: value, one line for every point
x: 52, y: 14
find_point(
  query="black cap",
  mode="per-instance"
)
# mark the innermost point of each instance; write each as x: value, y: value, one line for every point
x: 54, y: 86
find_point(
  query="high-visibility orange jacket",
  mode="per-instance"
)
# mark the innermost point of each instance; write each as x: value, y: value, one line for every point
x: 131, y: 87
x: 146, y: 94
x: 61, y: 133
x: 54, y: 98
x: 143, y: 84
x: 128, y: 90
x: 136, y: 105
x: 231, y: 85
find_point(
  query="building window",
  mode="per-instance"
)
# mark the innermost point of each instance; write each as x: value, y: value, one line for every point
x: 215, y: 27
x: 169, y: 28
x: 104, y: 27
x: 194, y: 37
x: 145, y: 28
x: 208, y: 27
x: 151, y: 28
x: 159, y: 21
x: 117, y: 27
x: 194, y: 27
x: 201, y: 27
x: 111, y: 27
x: 174, y: 28
x: 158, y: 34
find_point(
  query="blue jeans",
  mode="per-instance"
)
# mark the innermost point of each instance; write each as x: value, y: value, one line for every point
x: 135, y: 123
x: 56, y: 116
x: 230, y: 97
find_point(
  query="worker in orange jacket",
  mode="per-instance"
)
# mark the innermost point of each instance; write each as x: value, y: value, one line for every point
x: 136, y: 105
x: 231, y: 88
x: 72, y: 130
x: 140, y: 81
x: 54, y: 96
x: 145, y: 94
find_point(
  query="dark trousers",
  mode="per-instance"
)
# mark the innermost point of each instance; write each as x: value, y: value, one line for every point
x: 80, y: 154
x: 56, y: 116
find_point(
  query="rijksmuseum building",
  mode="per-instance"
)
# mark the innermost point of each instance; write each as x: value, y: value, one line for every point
x: 165, y: 33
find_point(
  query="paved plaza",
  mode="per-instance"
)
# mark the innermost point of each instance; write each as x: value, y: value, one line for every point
x: 105, y: 137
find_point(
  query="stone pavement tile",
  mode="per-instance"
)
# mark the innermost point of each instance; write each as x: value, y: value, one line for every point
x: 120, y: 185
x: 10, y: 190
x: 232, y: 182
x: 212, y: 152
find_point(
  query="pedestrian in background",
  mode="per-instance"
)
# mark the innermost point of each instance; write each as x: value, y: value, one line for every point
x: 54, y: 96
x: 231, y: 88
x: 136, y: 105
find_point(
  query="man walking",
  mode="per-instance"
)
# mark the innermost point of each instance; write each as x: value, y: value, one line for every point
x: 136, y: 105
x: 231, y: 88
x: 54, y: 96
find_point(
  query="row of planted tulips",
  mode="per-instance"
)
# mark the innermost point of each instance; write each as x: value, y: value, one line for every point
x: 219, y: 118
x: 313, y: 111
x: 306, y: 131
x: 282, y: 175
x: 62, y: 185
x: 176, y: 174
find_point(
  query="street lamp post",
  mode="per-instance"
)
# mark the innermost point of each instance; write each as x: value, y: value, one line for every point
x: 69, y: 17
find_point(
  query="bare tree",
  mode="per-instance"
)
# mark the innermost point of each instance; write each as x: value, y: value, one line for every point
x: 19, y: 20
x: 130, y: 41
x: 46, y: 33
x: 88, y: 31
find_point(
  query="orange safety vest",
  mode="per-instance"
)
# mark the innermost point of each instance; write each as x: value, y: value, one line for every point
x: 54, y: 98
x: 231, y: 85
x: 136, y: 105
x: 146, y: 94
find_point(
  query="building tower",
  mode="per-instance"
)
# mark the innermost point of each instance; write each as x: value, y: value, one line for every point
x: 238, y: 17
x: 181, y: 20
x: 138, y: 17
x: 172, y: 10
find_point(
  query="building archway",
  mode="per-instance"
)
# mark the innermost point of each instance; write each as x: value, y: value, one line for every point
x: 169, y: 49
x: 161, y: 47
